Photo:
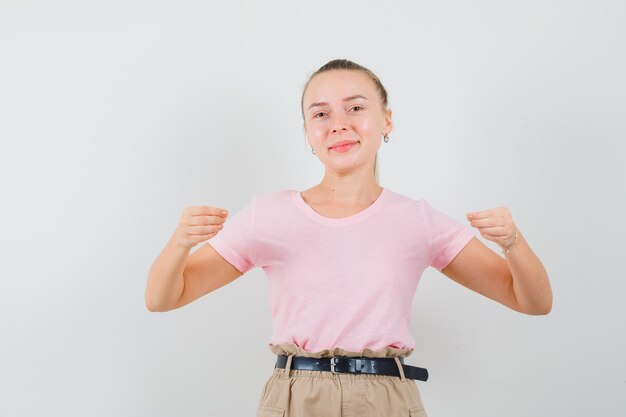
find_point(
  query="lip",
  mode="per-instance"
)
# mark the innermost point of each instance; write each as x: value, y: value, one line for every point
x: 343, y: 142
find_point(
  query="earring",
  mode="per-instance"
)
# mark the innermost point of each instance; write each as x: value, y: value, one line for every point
x: 312, y: 150
x: 386, y: 139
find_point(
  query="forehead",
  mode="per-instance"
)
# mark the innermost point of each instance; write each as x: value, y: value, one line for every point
x: 334, y: 85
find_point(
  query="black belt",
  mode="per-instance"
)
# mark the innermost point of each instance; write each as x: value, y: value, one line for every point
x: 344, y: 364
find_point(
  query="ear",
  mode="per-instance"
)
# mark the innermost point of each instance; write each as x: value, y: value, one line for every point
x: 388, y: 122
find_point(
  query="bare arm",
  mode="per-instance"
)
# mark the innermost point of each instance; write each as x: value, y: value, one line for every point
x: 165, y: 279
x: 206, y: 271
x: 203, y: 272
x: 518, y: 281
x: 530, y: 278
x: 171, y: 273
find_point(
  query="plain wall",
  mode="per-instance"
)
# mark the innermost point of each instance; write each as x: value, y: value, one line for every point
x: 116, y: 116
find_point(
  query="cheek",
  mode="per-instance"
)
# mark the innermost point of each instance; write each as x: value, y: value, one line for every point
x: 367, y: 125
x: 317, y: 131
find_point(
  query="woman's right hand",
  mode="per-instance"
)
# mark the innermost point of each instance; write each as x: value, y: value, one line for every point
x: 199, y: 223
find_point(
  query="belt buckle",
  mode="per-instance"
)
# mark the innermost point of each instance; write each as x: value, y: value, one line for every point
x: 332, y: 365
x: 358, y: 365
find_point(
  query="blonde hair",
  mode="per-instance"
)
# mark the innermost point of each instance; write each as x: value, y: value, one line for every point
x: 344, y: 64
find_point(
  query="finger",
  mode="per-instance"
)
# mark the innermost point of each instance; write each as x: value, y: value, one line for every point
x: 203, y: 230
x: 494, y: 212
x: 493, y: 238
x: 487, y: 222
x: 497, y: 231
x: 207, y: 210
x: 477, y: 215
x: 201, y: 238
x: 206, y: 220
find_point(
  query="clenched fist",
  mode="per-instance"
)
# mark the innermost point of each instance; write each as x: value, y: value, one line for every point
x: 199, y: 223
x: 496, y: 225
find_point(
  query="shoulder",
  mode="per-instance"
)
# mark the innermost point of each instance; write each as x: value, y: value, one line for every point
x: 272, y: 201
x: 404, y: 201
x: 420, y: 206
x: 270, y: 197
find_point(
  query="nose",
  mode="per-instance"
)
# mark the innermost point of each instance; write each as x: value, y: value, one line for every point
x: 339, y: 124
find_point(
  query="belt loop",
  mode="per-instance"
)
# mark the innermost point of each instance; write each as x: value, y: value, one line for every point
x: 400, y: 368
x: 288, y: 366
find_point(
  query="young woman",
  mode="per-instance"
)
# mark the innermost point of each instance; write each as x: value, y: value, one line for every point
x: 343, y: 259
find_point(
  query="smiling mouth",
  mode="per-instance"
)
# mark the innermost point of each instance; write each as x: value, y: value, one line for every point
x: 344, y: 145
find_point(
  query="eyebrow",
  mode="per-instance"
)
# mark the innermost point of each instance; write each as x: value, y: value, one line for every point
x: 323, y: 103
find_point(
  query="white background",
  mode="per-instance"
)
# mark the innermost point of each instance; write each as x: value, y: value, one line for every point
x: 115, y: 116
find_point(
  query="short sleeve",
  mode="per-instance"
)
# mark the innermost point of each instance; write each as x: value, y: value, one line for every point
x: 446, y: 236
x: 235, y: 242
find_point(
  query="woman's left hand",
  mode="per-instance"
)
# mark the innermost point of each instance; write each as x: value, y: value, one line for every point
x: 495, y: 224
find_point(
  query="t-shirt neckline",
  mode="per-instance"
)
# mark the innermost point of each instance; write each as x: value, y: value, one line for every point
x: 340, y: 221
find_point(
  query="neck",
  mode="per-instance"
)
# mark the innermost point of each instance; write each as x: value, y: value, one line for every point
x: 347, y: 191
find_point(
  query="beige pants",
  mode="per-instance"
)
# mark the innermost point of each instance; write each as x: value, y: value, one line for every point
x: 304, y: 393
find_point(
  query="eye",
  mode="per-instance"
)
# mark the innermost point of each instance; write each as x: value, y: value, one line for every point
x: 354, y: 107
x: 316, y: 114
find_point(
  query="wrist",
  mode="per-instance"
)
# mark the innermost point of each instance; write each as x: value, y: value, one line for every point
x: 506, y: 249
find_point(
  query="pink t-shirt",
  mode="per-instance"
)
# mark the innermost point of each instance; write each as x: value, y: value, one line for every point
x: 341, y: 282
